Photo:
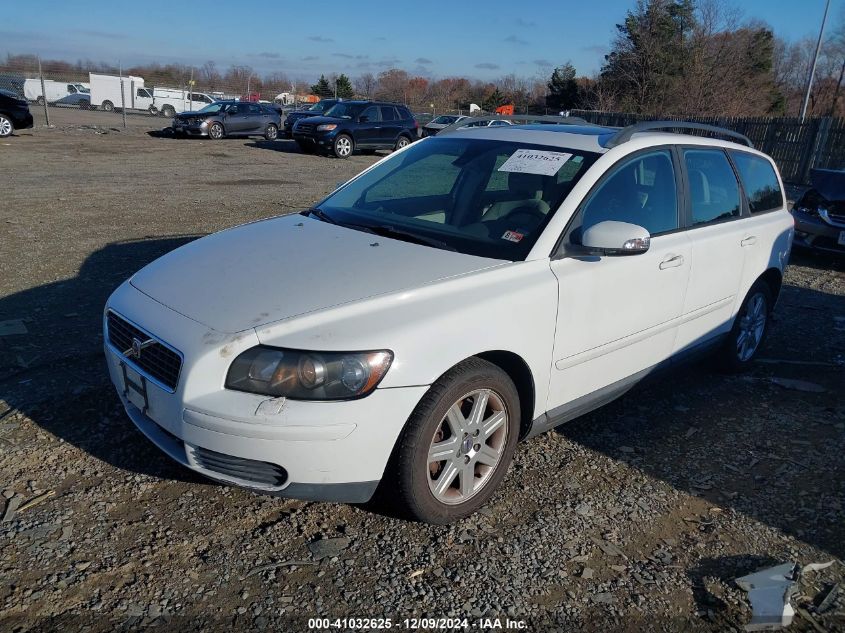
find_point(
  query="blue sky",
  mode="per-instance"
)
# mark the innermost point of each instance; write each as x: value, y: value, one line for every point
x: 478, y: 39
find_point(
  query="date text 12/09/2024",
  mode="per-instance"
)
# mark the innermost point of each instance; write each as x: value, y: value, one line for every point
x: 365, y: 624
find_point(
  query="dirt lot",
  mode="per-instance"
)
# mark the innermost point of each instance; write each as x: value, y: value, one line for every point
x: 638, y: 516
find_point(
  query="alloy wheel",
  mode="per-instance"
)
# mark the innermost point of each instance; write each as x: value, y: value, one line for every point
x: 467, y: 446
x: 215, y: 131
x: 5, y: 126
x: 752, y: 324
x: 343, y: 147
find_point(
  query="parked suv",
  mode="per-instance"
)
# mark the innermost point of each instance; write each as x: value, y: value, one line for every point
x: 229, y: 118
x: 14, y: 113
x: 318, y: 109
x: 476, y: 289
x: 357, y: 125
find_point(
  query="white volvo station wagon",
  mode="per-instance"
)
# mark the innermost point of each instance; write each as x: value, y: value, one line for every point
x: 469, y: 291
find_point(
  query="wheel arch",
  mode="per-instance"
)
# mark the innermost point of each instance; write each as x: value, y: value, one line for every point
x: 520, y: 373
x: 774, y: 279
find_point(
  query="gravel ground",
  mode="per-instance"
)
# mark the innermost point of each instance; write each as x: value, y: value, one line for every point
x: 638, y: 516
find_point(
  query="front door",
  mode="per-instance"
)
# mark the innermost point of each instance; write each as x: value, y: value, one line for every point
x: 618, y: 315
x: 369, y: 128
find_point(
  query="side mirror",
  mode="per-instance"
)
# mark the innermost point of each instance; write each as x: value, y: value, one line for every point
x: 363, y: 119
x: 616, y: 238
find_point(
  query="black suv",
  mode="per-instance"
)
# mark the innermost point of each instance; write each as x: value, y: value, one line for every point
x: 318, y: 109
x: 357, y: 125
x: 14, y: 113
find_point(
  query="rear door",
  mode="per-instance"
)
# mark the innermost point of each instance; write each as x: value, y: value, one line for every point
x: 258, y: 119
x: 618, y: 315
x: 391, y: 125
x: 717, y: 226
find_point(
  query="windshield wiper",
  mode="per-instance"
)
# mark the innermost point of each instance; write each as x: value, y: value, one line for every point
x: 406, y: 236
x: 320, y: 215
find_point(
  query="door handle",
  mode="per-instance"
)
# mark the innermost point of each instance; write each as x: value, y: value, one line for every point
x: 673, y: 261
x: 751, y: 240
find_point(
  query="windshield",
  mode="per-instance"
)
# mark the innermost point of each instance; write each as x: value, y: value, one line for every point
x: 323, y: 105
x: 211, y: 108
x: 476, y: 196
x: 344, y: 110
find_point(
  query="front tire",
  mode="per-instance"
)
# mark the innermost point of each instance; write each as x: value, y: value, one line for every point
x: 7, y: 128
x: 271, y: 133
x: 343, y: 146
x: 458, y: 443
x: 168, y: 111
x: 215, y: 131
x: 749, y: 329
x: 108, y: 106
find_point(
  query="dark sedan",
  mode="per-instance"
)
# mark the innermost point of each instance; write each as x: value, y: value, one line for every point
x: 14, y: 113
x: 820, y: 213
x: 229, y: 118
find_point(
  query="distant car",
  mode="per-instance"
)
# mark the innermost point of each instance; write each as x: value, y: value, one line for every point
x: 444, y: 120
x: 229, y: 118
x: 78, y: 99
x: 820, y: 213
x: 493, y: 123
x: 318, y: 109
x: 14, y: 113
x: 351, y: 126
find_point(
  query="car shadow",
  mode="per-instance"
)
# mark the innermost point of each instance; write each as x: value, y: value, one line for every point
x: 285, y: 146
x: 55, y: 373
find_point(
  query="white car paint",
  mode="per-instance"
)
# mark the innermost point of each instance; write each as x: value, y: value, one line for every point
x: 580, y: 325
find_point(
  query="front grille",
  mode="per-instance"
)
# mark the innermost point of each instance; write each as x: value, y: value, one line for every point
x: 249, y: 470
x: 305, y: 128
x: 156, y: 359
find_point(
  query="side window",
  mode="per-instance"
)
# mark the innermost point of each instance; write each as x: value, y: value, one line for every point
x: 254, y: 109
x: 714, y: 192
x: 372, y: 114
x: 388, y: 113
x: 71, y: 89
x: 141, y: 93
x: 760, y: 182
x: 405, y: 114
x: 639, y: 191
x: 243, y: 108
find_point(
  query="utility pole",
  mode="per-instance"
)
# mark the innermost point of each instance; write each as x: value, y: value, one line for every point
x: 43, y: 92
x: 815, y: 61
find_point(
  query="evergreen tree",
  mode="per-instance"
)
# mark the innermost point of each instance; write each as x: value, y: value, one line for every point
x: 563, y: 89
x: 344, y: 87
x: 323, y: 88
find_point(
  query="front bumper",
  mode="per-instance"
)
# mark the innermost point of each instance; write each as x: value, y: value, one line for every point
x: 814, y: 233
x: 23, y: 120
x: 191, y: 129
x: 323, y: 140
x: 323, y: 451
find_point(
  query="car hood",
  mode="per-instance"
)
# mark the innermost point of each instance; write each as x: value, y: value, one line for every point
x: 279, y: 268
x: 195, y: 115
x: 317, y: 120
x: 829, y: 183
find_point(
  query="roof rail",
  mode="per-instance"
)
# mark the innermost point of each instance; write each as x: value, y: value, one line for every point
x: 626, y: 133
x: 515, y: 118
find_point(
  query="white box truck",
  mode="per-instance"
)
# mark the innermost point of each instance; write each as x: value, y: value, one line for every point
x: 56, y: 90
x: 106, y: 93
x: 171, y: 101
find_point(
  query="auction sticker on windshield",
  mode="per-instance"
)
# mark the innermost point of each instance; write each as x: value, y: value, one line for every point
x: 535, y: 161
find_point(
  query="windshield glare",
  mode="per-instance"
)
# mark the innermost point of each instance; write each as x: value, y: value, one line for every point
x: 344, y: 110
x: 476, y: 196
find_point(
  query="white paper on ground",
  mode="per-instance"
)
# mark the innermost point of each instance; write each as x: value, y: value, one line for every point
x: 534, y: 161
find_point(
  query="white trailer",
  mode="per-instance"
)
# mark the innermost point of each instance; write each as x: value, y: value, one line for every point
x: 170, y: 101
x: 106, y: 93
x: 56, y: 90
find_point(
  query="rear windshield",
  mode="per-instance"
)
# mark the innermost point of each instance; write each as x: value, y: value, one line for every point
x: 476, y: 196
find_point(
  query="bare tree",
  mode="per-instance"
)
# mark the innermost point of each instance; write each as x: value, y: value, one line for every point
x: 365, y: 85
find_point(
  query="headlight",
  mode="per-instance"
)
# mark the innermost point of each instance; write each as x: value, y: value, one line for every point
x: 303, y: 375
x: 813, y: 213
x: 326, y: 127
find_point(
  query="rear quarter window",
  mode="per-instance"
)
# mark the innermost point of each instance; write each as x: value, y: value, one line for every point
x: 760, y: 182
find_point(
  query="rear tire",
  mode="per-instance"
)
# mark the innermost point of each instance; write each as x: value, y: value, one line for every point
x: 271, y: 133
x: 7, y: 128
x: 343, y: 146
x: 749, y: 330
x: 168, y: 111
x: 469, y: 421
x: 108, y: 106
x: 402, y: 141
x: 40, y: 101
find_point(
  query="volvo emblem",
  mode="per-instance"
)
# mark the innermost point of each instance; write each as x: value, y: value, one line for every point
x: 137, y: 346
